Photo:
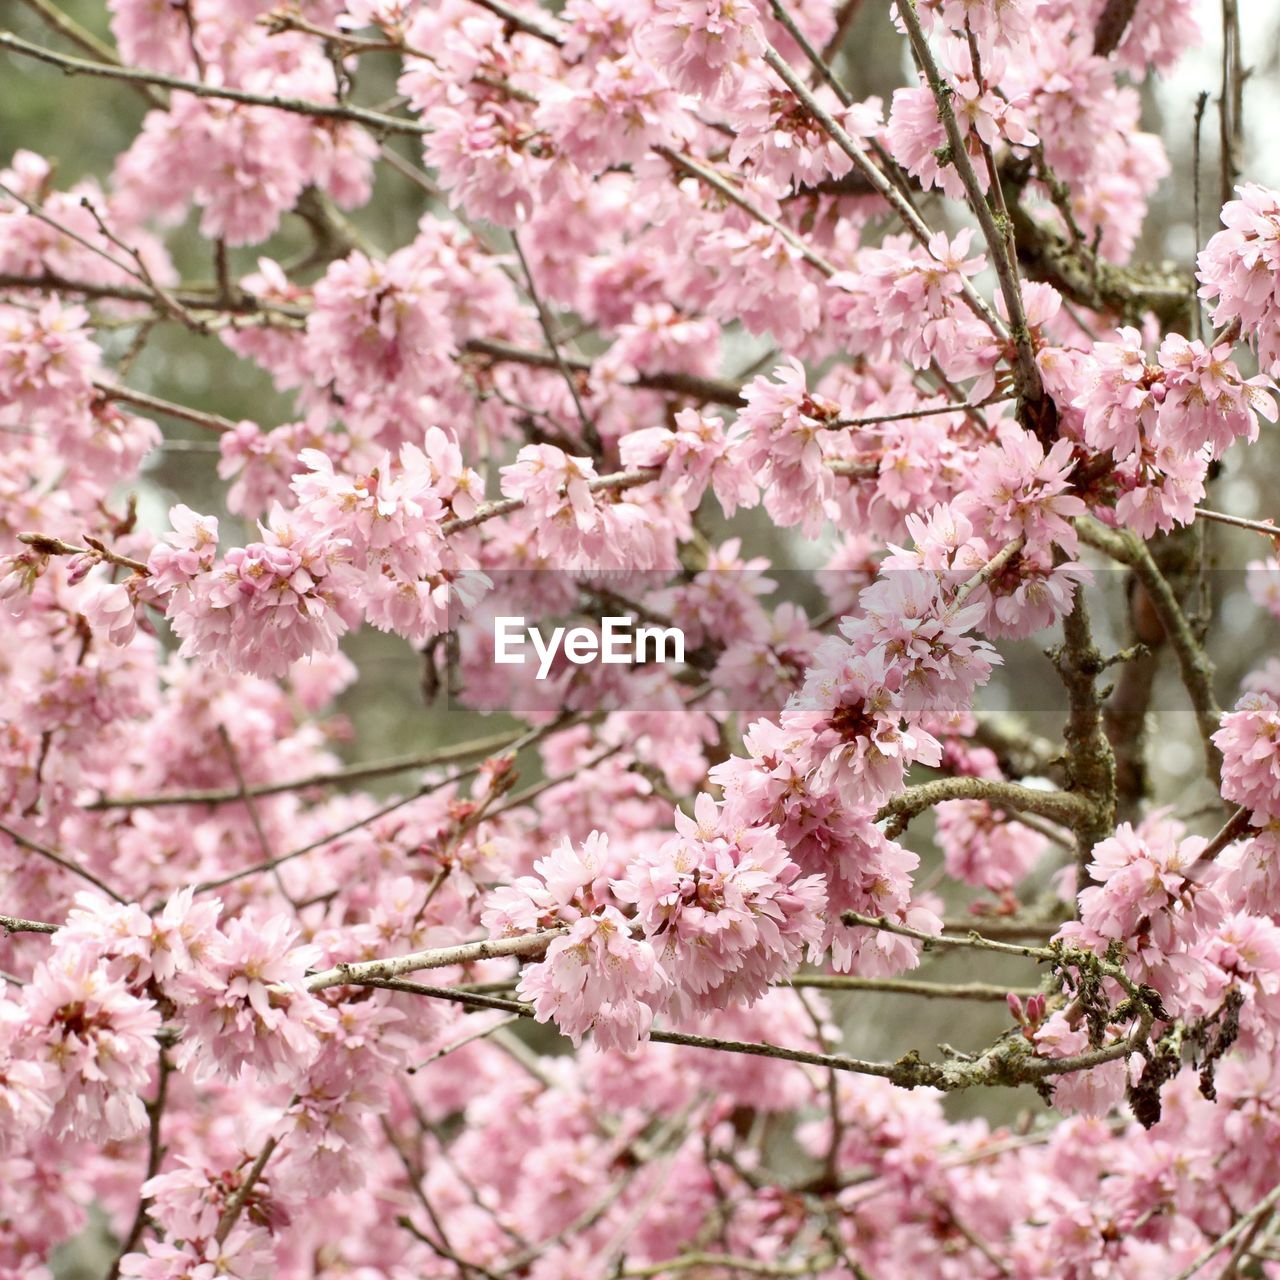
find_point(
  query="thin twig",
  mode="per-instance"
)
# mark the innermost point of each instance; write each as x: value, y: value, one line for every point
x: 590, y: 433
x: 1265, y: 1206
x: 979, y: 991
x: 59, y: 860
x: 155, y: 1153
x: 897, y: 201
x: 902, y: 415
x: 241, y: 1194
x: 680, y: 160
x: 325, y: 778
x: 1265, y: 527
x: 50, y: 546
x: 166, y: 408
x: 375, y: 121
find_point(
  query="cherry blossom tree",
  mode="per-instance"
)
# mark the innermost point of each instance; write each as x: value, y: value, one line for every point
x: 580, y: 997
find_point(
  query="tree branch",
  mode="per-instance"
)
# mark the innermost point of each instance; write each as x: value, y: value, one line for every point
x: 1091, y: 764
x: 375, y: 121
x: 326, y: 778
x: 980, y: 991
x: 880, y: 184
x: 1193, y: 662
x: 1062, y: 807
x: 364, y: 971
x: 59, y: 860
x: 1026, y: 373
x: 16, y: 924
x: 1112, y: 24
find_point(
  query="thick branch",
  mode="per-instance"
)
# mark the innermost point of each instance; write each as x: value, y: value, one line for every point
x: 1113, y: 22
x: 1088, y: 280
x: 1058, y: 806
x: 1091, y: 764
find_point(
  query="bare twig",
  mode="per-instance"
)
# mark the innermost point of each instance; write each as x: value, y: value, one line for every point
x: 979, y: 991
x: 590, y: 434
x: 377, y: 122
x: 1231, y: 103
x: 59, y: 860
x: 1193, y: 662
x: 1266, y: 1206
x: 332, y: 777
x: 365, y: 971
x: 155, y: 1153
x: 166, y: 408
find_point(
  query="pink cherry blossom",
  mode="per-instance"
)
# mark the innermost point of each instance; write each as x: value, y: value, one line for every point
x: 1250, y: 744
x: 727, y: 909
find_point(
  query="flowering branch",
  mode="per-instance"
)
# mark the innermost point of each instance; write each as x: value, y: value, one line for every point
x: 239, y: 1198
x: 1007, y: 1064
x: 49, y: 546
x: 1026, y: 373
x: 883, y: 187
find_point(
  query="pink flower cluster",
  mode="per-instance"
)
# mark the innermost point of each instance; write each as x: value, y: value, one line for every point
x: 1164, y: 422
x: 1249, y: 740
x: 727, y: 909
x: 1238, y: 270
